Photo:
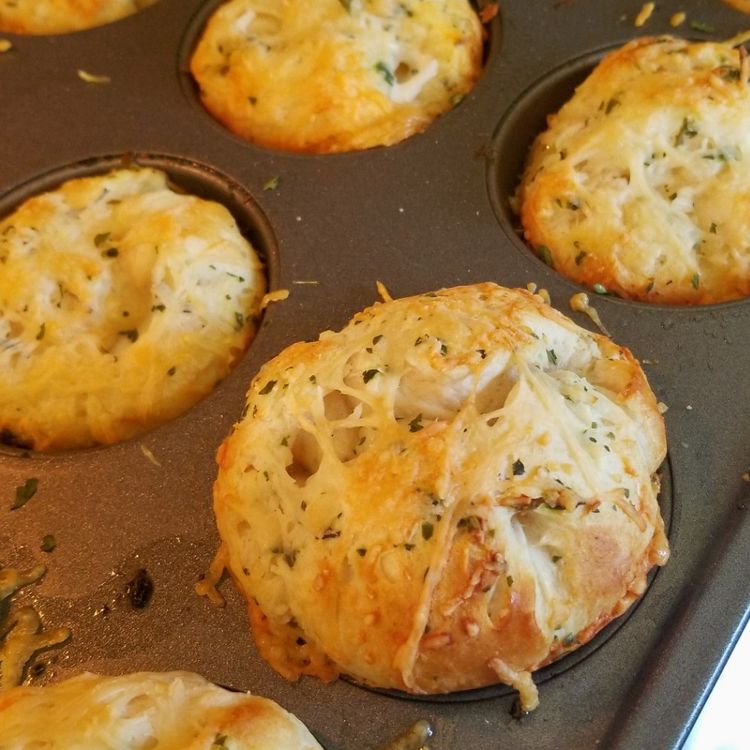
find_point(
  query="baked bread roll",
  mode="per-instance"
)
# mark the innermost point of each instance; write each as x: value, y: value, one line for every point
x: 170, y: 710
x: 122, y: 303
x: 640, y: 183
x: 63, y: 16
x: 335, y: 75
x: 452, y: 491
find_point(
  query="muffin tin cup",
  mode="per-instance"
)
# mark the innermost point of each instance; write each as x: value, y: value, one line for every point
x: 427, y: 213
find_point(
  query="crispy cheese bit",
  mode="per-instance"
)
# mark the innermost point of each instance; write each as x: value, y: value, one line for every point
x: 278, y: 295
x: 521, y: 681
x: 540, y: 292
x: 414, y: 738
x: 677, y: 19
x: 5, y: 45
x: 207, y: 585
x: 92, y: 78
x: 487, y: 13
x: 385, y: 295
x: 644, y: 14
x: 149, y: 455
x: 580, y: 303
x: 662, y: 407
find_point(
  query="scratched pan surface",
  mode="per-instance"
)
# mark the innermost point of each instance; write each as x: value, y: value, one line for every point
x: 427, y: 213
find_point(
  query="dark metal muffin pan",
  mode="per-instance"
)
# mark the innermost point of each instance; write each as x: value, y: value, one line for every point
x: 426, y: 213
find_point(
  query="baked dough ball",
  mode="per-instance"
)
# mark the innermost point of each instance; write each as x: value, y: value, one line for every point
x: 641, y: 183
x: 122, y: 303
x: 336, y: 75
x: 169, y: 711
x: 452, y: 491
x: 63, y: 16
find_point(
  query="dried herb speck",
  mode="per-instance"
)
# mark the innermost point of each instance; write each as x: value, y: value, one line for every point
x: 25, y: 492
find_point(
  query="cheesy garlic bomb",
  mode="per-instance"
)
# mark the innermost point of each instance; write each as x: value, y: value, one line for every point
x: 452, y: 491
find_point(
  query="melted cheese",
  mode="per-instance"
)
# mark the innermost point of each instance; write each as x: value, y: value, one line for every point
x: 63, y: 16
x: 122, y: 303
x: 22, y: 633
x: 640, y: 182
x: 168, y: 711
x: 446, y: 493
x: 580, y: 303
x: 334, y: 76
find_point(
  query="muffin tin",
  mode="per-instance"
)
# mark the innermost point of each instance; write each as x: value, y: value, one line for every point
x: 429, y: 212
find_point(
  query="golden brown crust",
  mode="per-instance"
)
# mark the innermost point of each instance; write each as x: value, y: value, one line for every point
x: 64, y: 16
x: 331, y: 76
x: 639, y: 184
x: 449, y: 491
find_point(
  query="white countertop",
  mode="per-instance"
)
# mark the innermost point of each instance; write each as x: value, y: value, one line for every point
x: 724, y: 723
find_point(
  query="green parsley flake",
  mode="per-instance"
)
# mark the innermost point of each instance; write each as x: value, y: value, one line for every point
x: 546, y: 255
x: 385, y: 72
x: 271, y: 184
x: 416, y: 424
x: 702, y: 26
x: 427, y: 531
x: 48, y: 543
x: 687, y: 130
x: 695, y: 280
x: 25, y: 492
